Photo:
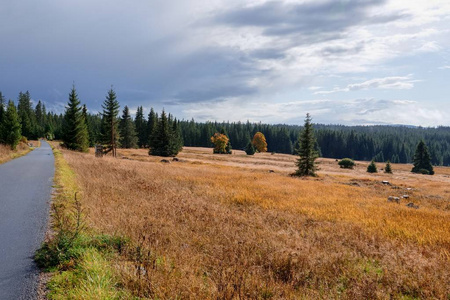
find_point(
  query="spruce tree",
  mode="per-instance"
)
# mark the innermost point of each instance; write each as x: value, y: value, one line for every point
x: 2, y: 107
x: 163, y: 139
x: 250, y: 149
x: 110, y: 123
x: 422, y: 160
x: 372, y: 167
x: 75, y: 133
x: 26, y: 115
x: 306, y: 162
x: 151, y: 125
x: 11, y: 126
x: 388, y: 168
x: 2, y: 116
x: 141, y: 127
x: 128, y: 137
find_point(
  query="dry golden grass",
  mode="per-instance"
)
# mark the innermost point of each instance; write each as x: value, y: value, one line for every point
x: 223, y: 227
x: 6, y: 154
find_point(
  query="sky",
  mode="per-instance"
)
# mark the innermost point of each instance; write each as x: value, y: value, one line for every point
x: 351, y: 62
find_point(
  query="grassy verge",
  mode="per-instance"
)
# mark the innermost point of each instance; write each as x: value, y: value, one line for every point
x: 6, y: 154
x: 79, y: 259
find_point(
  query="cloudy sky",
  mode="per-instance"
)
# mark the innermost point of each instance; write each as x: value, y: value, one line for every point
x: 343, y: 61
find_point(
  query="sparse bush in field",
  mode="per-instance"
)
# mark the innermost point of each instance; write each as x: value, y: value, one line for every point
x: 346, y: 163
x: 372, y: 167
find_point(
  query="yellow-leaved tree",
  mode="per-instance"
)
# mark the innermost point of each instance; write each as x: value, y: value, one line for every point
x: 259, y: 142
x: 220, y: 142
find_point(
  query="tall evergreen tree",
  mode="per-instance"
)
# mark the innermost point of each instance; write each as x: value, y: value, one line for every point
x: 2, y: 107
x: 26, y: 115
x: 110, y: 123
x: 141, y: 127
x: 75, y: 133
x: 306, y: 162
x: 151, y: 125
x: 11, y: 126
x: 128, y: 137
x: 163, y: 139
x: 422, y: 160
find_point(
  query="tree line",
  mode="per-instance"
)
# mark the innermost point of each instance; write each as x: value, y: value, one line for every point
x: 379, y: 143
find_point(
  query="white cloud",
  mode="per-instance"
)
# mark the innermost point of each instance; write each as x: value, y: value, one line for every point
x: 386, y: 83
x: 444, y: 68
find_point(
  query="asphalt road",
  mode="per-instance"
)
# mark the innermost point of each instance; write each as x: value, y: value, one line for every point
x: 25, y: 191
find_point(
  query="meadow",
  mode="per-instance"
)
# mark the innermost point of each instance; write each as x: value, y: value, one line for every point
x: 240, y: 227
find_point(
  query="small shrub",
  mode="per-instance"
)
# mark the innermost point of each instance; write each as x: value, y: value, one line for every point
x: 346, y: 163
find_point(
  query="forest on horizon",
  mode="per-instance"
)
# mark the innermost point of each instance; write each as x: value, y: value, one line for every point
x: 363, y: 142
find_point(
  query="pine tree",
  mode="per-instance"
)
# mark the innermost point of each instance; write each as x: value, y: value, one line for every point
x: 75, y: 133
x: 306, y: 162
x: 12, y: 126
x: 141, y: 127
x: 250, y: 149
x: 163, y: 139
x: 128, y: 137
x: 2, y: 116
x: 422, y: 160
x: 372, y: 167
x: 2, y: 107
x: 110, y: 123
x: 26, y: 115
x: 151, y: 125
x: 388, y: 168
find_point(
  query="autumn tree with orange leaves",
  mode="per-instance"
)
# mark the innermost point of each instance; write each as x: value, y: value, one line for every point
x: 220, y: 142
x: 259, y: 141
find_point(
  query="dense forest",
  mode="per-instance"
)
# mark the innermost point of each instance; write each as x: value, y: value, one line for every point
x: 381, y: 143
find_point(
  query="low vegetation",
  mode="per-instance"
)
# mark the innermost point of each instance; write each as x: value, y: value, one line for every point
x: 223, y: 227
x: 346, y: 163
x: 78, y: 258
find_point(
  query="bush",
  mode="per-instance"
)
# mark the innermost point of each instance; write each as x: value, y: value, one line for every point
x: 346, y: 163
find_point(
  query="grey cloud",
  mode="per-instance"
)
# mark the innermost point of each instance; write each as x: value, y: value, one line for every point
x: 278, y: 18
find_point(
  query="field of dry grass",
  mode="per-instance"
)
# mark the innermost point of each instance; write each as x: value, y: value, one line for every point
x: 7, y: 154
x: 224, y: 227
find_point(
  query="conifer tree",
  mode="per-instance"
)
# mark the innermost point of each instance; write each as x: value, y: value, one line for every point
x: 75, y: 133
x: 388, y: 168
x: 110, y: 123
x: 26, y: 114
x: 306, y: 162
x: 11, y: 126
x: 422, y: 160
x: 178, y: 140
x: 141, y: 127
x: 250, y: 149
x: 372, y: 167
x: 151, y: 125
x: 2, y: 107
x: 2, y: 115
x: 128, y: 137
x: 163, y: 139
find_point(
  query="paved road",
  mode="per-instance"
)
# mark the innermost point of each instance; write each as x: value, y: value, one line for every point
x: 25, y: 190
